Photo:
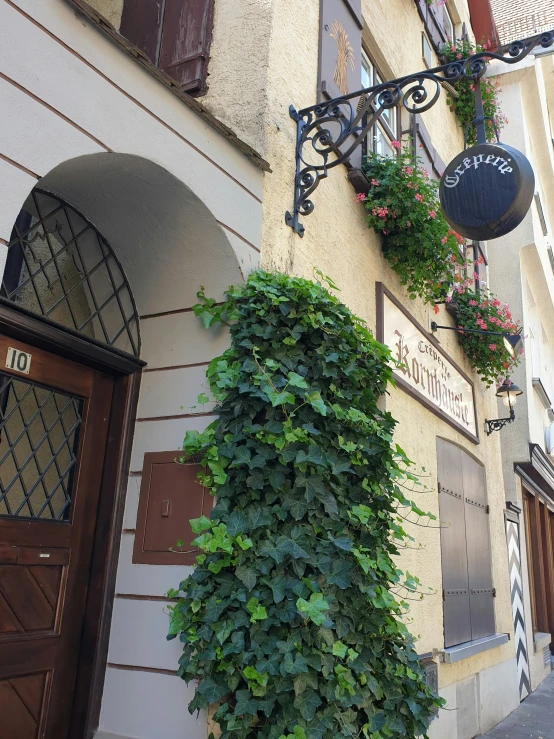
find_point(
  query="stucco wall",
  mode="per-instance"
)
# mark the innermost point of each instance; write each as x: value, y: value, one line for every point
x: 338, y: 243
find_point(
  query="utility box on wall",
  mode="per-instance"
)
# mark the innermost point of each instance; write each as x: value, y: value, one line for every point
x: 170, y: 495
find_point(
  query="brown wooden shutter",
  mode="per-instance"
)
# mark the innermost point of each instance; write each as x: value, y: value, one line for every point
x: 481, y: 592
x: 432, y: 17
x: 141, y: 23
x: 175, y: 34
x: 425, y: 151
x: 340, y: 48
x: 457, y: 623
x: 186, y: 40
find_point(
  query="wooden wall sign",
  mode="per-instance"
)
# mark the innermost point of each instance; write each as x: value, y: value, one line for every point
x: 425, y: 372
x: 486, y: 191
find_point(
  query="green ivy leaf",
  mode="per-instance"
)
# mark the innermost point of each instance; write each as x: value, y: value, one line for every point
x: 315, y: 609
x: 257, y: 612
x: 198, y: 525
x: 307, y: 703
x: 282, y: 398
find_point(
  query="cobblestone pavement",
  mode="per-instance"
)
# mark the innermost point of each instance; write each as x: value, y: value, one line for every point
x: 534, y: 719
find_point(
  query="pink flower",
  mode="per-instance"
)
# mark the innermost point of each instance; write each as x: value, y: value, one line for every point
x: 396, y: 144
x: 359, y: 198
x: 448, y: 298
x: 458, y: 56
x: 496, y: 302
x: 374, y: 182
x: 408, y: 224
x: 408, y: 170
x: 473, y: 302
x: 444, y: 239
x: 432, y: 213
x: 419, y: 197
x: 492, y: 347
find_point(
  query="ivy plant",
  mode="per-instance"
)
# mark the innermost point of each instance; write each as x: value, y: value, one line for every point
x: 402, y: 205
x: 292, y: 619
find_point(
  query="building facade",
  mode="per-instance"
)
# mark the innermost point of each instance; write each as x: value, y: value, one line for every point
x: 521, y: 272
x: 140, y: 160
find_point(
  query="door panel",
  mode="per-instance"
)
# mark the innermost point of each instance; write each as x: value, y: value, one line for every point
x: 53, y: 426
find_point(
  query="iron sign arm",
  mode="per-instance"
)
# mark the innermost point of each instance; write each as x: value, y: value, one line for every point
x: 331, y: 131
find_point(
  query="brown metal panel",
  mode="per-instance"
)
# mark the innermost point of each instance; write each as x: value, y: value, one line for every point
x: 481, y: 595
x: 141, y: 24
x: 170, y: 496
x: 457, y: 627
x: 186, y: 40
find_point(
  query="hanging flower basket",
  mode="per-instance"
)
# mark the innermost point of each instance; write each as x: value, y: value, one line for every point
x: 481, y: 310
x: 402, y: 206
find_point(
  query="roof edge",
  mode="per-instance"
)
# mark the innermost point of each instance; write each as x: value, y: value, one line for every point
x: 192, y: 103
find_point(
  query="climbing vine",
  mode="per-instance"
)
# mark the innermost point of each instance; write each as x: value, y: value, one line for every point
x: 463, y: 103
x: 292, y: 619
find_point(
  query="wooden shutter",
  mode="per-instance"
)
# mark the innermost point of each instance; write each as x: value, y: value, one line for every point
x: 425, y: 150
x: 176, y: 36
x: 340, y: 48
x: 457, y: 623
x: 432, y: 16
x: 186, y: 40
x: 481, y: 592
x: 141, y: 23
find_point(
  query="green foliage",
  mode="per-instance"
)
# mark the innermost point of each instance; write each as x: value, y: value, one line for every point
x: 487, y: 354
x: 402, y: 205
x: 463, y: 106
x: 299, y: 635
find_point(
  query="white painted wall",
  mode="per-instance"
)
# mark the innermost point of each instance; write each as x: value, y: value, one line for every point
x: 181, y: 208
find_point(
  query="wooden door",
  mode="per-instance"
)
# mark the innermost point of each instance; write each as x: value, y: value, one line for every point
x: 54, y: 418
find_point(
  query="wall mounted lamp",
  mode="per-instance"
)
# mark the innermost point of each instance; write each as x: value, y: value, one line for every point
x: 512, y: 342
x: 508, y: 391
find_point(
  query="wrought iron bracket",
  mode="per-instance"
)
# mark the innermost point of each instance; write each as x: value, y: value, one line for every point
x: 497, y: 424
x: 330, y: 132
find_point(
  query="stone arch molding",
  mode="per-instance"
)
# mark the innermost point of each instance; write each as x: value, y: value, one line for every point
x: 167, y: 240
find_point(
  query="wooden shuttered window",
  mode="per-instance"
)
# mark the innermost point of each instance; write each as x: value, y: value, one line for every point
x: 465, y: 547
x: 424, y: 149
x: 176, y: 36
x: 433, y: 16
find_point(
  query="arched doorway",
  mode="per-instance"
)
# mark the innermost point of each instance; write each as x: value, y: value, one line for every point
x: 103, y: 244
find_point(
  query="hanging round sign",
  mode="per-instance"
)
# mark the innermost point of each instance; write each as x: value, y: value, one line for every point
x: 486, y: 191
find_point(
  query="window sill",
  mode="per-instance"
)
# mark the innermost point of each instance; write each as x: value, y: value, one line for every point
x: 541, y: 392
x: 541, y: 640
x: 470, y: 648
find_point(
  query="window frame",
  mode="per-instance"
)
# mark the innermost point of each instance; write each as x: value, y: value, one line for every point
x: 425, y: 40
x: 377, y: 78
x: 447, y: 15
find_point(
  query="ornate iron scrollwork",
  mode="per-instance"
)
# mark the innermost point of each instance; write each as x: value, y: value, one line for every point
x: 331, y: 131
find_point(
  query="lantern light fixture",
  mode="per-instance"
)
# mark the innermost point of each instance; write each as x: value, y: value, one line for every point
x: 509, y: 392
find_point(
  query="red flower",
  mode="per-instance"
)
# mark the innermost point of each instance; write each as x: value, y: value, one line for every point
x: 436, y: 308
x: 396, y: 144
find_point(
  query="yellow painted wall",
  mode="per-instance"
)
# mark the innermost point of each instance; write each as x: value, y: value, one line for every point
x: 251, y: 87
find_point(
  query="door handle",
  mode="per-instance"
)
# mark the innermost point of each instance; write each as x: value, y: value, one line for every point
x: 166, y: 508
